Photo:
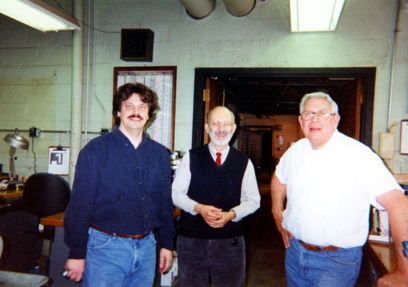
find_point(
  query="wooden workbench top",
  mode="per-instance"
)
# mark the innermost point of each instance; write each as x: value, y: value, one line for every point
x: 58, y: 219
x: 402, y: 178
x: 54, y: 220
x: 9, y: 194
x: 384, y: 257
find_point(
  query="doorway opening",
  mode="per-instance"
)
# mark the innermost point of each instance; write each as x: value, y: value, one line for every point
x: 266, y: 102
x: 269, y: 92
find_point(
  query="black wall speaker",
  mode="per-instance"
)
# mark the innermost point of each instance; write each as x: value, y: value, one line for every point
x: 136, y: 45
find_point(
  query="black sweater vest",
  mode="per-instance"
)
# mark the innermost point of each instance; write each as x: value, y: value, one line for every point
x: 219, y: 186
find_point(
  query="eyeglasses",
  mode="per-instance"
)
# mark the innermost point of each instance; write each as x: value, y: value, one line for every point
x: 321, y: 115
x: 218, y: 124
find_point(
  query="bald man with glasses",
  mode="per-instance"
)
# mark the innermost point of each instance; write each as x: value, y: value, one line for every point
x: 216, y: 189
x: 329, y: 181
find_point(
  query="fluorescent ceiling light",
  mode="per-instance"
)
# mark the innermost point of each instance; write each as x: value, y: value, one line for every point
x: 315, y: 15
x: 38, y: 15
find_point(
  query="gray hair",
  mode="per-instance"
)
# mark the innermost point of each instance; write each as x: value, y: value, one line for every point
x: 319, y: 95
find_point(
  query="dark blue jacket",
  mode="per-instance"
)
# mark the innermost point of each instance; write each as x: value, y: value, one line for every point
x: 120, y: 189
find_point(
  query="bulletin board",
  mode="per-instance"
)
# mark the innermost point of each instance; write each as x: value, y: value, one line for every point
x: 404, y: 137
x: 162, y: 80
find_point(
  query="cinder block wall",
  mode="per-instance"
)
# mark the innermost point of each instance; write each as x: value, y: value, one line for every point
x: 35, y: 67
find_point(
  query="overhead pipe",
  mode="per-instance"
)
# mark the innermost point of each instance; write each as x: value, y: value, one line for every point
x: 392, y: 59
x: 239, y: 8
x: 198, y: 9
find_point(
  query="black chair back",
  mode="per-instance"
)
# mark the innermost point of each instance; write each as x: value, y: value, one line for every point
x: 46, y: 194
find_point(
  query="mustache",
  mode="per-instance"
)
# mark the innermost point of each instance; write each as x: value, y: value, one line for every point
x: 221, y: 133
x: 135, y: 116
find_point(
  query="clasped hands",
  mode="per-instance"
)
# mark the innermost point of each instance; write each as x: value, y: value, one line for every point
x: 214, y: 216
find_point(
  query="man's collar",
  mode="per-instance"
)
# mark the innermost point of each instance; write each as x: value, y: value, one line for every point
x: 126, y: 139
x: 213, y: 151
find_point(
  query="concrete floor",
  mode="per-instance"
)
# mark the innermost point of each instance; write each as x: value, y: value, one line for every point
x: 266, y: 253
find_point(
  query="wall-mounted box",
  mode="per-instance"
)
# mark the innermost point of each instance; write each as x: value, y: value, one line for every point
x: 136, y: 45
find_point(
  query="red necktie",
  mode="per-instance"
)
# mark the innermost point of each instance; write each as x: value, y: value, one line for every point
x: 218, y: 159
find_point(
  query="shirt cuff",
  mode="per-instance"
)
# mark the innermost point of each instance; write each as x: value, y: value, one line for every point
x: 238, y: 216
x: 168, y: 244
x: 190, y: 207
x: 77, y: 253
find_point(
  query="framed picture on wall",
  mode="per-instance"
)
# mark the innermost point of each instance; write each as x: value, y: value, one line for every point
x: 161, y: 80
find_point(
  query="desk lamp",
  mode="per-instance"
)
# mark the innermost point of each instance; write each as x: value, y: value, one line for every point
x: 15, y: 141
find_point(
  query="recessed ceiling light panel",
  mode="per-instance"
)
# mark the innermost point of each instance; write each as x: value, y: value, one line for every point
x: 315, y: 15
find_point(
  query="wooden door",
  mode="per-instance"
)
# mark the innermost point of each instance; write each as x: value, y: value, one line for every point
x: 213, y: 95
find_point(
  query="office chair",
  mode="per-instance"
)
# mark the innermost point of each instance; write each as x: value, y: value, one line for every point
x: 44, y: 194
x: 9, y: 278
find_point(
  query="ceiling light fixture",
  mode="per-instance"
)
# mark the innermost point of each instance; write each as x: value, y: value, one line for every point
x: 315, y: 15
x: 39, y: 15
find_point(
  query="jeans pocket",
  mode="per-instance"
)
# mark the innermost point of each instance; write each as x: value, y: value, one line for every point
x: 152, y: 237
x: 98, y: 240
x: 350, y: 257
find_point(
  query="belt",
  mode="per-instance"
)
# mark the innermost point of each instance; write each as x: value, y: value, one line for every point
x: 312, y: 247
x: 136, y: 236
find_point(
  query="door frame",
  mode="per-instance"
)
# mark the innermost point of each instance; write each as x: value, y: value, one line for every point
x: 367, y: 110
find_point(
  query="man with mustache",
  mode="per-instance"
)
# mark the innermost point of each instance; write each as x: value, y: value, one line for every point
x: 215, y: 187
x: 121, y: 196
x: 329, y: 181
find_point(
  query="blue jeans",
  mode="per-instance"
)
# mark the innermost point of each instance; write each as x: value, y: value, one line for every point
x: 222, y: 260
x: 114, y: 261
x: 338, y: 268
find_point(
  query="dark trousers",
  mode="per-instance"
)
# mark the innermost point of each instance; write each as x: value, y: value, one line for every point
x: 220, y: 260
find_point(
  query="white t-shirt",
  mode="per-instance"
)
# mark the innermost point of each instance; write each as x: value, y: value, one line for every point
x: 330, y: 190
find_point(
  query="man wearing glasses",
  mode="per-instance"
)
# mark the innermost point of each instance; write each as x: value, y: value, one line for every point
x: 329, y: 181
x: 215, y: 188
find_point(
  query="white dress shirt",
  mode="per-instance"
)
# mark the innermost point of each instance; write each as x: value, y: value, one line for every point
x: 250, y: 198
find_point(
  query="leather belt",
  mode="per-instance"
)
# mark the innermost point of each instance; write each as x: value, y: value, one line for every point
x: 136, y: 236
x: 315, y: 248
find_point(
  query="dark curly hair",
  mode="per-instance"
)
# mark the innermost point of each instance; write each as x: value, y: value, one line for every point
x: 125, y: 91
